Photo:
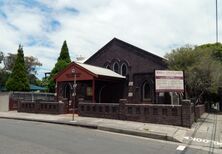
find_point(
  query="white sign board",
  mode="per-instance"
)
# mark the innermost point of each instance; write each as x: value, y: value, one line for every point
x: 169, y: 81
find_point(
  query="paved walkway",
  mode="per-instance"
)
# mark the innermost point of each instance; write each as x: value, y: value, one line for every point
x: 207, y: 132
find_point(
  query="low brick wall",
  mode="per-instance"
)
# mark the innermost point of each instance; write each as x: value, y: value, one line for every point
x: 200, y: 109
x: 180, y: 115
x: 154, y: 113
x: 100, y: 110
x: 41, y: 107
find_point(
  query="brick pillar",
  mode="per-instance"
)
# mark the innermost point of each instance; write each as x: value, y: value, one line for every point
x: 80, y: 112
x: 122, y: 109
x: 37, y: 106
x: 66, y: 105
x: 61, y: 107
x: 10, y: 104
x: 19, y: 106
x: 187, y: 113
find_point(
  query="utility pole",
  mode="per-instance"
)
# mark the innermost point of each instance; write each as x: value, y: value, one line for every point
x: 216, y: 23
x: 74, y: 94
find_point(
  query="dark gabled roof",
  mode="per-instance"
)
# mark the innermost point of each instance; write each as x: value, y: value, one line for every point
x: 129, y: 46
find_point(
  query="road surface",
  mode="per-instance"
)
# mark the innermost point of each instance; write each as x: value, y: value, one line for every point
x: 25, y: 137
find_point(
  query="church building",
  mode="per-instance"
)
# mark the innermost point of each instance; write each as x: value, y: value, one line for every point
x: 136, y: 64
x: 118, y: 70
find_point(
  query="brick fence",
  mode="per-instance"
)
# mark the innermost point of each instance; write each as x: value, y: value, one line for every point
x: 102, y: 110
x: 41, y: 107
x: 200, y: 109
x: 180, y: 115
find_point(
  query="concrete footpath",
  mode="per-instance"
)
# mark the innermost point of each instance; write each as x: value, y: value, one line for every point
x: 206, y: 132
x: 156, y: 131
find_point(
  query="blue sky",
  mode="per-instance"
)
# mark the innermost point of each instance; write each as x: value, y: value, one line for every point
x: 157, y: 26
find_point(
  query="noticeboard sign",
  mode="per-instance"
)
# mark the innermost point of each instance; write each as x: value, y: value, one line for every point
x: 169, y: 81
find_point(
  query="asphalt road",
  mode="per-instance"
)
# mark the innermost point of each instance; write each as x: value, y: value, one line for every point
x: 25, y: 137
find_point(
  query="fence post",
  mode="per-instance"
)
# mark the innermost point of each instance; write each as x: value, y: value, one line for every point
x: 122, y: 109
x: 19, y: 106
x: 66, y: 105
x: 37, y: 106
x: 187, y: 113
x: 61, y: 107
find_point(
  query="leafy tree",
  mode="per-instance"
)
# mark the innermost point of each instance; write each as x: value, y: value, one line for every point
x: 44, y: 82
x: 62, y: 61
x: 64, y: 54
x: 33, y: 79
x: 18, y: 80
x: 4, y: 75
x: 202, y: 65
x: 30, y: 62
x: 204, y: 76
x: 1, y: 57
x: 214, y: 49
x: 181, y: 58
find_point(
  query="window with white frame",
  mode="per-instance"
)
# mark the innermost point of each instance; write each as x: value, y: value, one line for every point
x: 123, y: 69
x: 116, y: 67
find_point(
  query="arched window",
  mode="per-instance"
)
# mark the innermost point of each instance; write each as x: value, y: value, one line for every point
x: 108, y: 67
x: 146, y: 92
x: 67, y: 91
x: 123, y: 69
x: 116, y: 67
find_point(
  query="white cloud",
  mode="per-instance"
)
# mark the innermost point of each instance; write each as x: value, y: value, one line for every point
x: 157, y: 26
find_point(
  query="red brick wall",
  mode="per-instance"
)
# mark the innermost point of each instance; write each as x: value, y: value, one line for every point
x: 200, y: 109
x: 100, y: 110
x: 180, y: 115
x: 154, y: 113
x: 12, y: 104
x: 41, y: 107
